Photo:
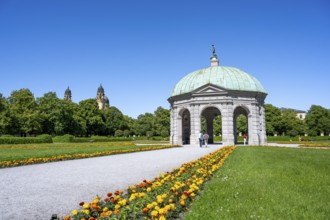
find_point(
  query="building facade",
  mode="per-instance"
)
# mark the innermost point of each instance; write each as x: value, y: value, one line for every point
x: 213, y: 91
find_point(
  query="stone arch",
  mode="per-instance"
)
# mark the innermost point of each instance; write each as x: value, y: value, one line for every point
x: 185, y: 122
x: 241, y: 110
x: 209, y: 113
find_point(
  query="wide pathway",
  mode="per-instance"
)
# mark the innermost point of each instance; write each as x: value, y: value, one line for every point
x: 38, y: 191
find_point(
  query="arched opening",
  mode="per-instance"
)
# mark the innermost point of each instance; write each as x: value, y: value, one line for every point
x: 211, y: 123
x: 240, y: 124
x: 186, y: 127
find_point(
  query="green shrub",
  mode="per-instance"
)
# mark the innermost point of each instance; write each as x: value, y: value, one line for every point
x: 26, y: 140
x: 64, y: 138
x: 119, y: 133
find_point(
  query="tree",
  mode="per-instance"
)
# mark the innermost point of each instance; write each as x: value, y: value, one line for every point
x: 318, y: 120
x: 273, y: 119
x: 114, y: 120
x: 90, y: 117
x: 162, y: 121
x: 217, y: 125
x: 241, y: 124
x: 144, y: 124
x: 290, y: 124
x: 23, y: 113
x: 4, y: 116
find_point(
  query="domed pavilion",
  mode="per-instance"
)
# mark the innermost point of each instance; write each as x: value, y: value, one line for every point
x: 212, y: 91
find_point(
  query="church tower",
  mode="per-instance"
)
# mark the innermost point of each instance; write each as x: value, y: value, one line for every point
x: 67, y: 95
x: 101, y: 99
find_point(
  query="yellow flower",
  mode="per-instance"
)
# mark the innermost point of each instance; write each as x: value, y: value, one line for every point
x: 162, y: 217
x: 154, y: 213
x: 150, y: 206
x: 182, y: 202
x: 74, y: 212
x: 105, y: 209
x: 122, y: 202
x: 183, y: 197
x: 117, y: 206
x: 149, y: 189
x: 86, y: 206
x: 162, y: 211
x: 132, y: 197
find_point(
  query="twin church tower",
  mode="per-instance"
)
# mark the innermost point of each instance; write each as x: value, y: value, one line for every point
x: 102, y: 100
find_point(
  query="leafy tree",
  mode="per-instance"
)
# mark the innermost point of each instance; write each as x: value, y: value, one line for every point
x: 129, y: 122
x: 318, y: 120
x: 273, y: 119
x: 144, y: 124
x: 217, y: 125
x: 91, y: 117
x: 23, y: 112
x: 4, y: 116
x: 114, y: 120
x: 290, y: 124
x: 162, y: 121
x: 241, y: 124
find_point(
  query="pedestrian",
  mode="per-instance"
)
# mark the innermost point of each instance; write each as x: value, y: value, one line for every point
x: 244, y: 138
x: 201, y: 139
x: 206, y: 138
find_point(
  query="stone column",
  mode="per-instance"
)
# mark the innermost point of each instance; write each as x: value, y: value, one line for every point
x: 228, y: 125
x: 254, y: 133
x: 263, y: 135
x: 175, y: 126
x: 195, y: 124
x: 172, y: 132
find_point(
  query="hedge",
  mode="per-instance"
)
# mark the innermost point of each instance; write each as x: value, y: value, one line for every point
x: 44, y: 138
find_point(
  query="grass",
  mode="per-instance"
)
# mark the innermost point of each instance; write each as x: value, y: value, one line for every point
x: 26, y: 151
x: 268, y: 183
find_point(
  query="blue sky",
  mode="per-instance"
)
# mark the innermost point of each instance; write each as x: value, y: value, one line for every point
x: 139, y: 50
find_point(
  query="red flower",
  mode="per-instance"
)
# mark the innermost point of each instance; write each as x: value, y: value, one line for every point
x: 81, y: 203
x: 109, y: 194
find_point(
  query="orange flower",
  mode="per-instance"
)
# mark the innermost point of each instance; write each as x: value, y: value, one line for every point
x: 117, y: 211
x: 145, y: 210
x: 106, y: 199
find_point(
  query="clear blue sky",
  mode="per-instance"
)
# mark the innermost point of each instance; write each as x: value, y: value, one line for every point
x: 139, y: 50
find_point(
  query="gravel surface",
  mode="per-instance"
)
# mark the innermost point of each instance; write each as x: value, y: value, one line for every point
x: 38, y: 191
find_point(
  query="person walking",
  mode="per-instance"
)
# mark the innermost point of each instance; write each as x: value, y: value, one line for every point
x: 244, y: 138
x: 206, y: 138
x: 201, y: 139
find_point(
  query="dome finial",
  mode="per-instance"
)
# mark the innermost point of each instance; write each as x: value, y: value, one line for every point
x: 214, y: 58
x: 213, y: 51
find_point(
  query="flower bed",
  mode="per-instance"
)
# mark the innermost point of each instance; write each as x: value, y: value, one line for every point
x: 166, y: 197
x: 12, y: 163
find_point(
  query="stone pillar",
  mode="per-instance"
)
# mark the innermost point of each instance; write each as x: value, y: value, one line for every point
x: 178, y: 119
x: 172, y: 131
x: 254, y: 132
x: 175, y: 124
x: 227, y: 125
x: 263, y: 135
x: 195, y: 124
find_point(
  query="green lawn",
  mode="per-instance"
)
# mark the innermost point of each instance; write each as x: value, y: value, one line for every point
x: 268, y: 183
x: 26, y: 151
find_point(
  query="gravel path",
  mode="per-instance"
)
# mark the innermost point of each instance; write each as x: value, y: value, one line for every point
x: 38, y: 191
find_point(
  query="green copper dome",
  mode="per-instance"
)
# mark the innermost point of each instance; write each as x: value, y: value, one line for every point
x: 229, y: 78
